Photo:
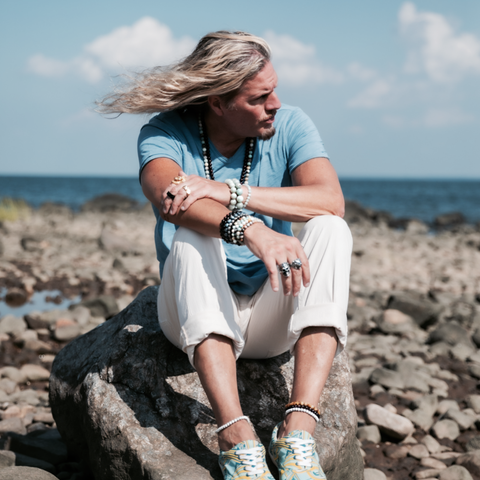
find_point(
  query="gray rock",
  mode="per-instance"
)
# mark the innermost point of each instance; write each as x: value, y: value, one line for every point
x: 420, y: 418
x: 449, y: 220
x: 51, y: 451
x: 35, y: 373
x: 132, y: 399
x: 464, y: 421
x: 451, y: 333
x: 26, y: 461
x: 12, y: 325
x: 37, y: 320
x: 471, y: 461
x: 461, y: 352
x: 473, y: 444
x: 455, y: 472
x: 446, y: 405
x: 474, y: 371
x: 13, y: 374
x: 104, y: 306
x: 390, y: 423
x: 13, y: 424
x: 370, y: 433
x: 374, y: 474
x: 446, y: 429
x: 476, y: 337
x: 29, y: 396
x: 66, y: 330
x: 110, y: 202
x: 7, y: 459
x: 23, y: 473
x: 419, y: 451
x: 394, y: 321
x: 427, y: 404
x: 432, y: 445
x: 463, y: 312
x: 8, y: 386
x: 423, y: 311
x: 387, y: 378
x: 473, y: 401
x: 33, y: 244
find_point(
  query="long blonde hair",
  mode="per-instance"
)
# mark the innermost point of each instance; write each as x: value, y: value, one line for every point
x: 220, y: 64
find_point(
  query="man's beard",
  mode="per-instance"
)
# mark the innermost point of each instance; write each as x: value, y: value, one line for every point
x: 267, y: 134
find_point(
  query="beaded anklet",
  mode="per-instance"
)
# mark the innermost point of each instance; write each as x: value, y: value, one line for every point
x: 231, y: 422
x: 303, y: 407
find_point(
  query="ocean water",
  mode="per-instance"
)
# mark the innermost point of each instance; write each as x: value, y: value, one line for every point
x: 413, y: 198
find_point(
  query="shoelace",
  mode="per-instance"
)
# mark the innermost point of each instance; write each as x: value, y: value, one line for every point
x: 302, y: 451
x: 253, y: 458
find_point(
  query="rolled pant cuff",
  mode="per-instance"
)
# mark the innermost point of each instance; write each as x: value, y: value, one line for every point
x: 320, y: 315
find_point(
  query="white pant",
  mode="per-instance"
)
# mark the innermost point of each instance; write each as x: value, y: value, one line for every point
x: 195, y: 300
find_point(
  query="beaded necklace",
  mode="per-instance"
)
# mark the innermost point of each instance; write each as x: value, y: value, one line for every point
x: 207, y: 159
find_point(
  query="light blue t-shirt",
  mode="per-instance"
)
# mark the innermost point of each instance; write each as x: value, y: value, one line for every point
x: 175, y: 135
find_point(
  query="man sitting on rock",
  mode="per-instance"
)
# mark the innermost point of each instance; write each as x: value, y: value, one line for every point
x: 227, y: 169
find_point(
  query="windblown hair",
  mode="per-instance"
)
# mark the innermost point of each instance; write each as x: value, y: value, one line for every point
x: 219, y: 65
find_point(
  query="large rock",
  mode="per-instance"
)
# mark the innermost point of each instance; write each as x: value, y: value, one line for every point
x: 129, y: 403
x: 422, y: 310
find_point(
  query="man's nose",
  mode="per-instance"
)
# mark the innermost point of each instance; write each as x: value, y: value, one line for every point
x: 273, y: 102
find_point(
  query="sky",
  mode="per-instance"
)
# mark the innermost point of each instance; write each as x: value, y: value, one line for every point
x: 392, y: 86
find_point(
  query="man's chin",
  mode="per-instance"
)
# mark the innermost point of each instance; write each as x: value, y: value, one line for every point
x: 267, y: 134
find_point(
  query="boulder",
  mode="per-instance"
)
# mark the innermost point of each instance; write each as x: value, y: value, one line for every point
x: 22, y: 473
x: 128, y: 402
x: 422, y: 310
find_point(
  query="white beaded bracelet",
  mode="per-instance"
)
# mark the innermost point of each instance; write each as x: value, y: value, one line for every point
x: 303, y: 410
x: 248, y: 196
x: 231, y: 422
x: 236, y: 194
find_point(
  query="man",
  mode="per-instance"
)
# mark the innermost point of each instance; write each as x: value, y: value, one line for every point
x: 224, y: 160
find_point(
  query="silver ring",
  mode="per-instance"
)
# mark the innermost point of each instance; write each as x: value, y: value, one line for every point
x: 296, y: 264
x: 187, y: 190
x: 284, y: 269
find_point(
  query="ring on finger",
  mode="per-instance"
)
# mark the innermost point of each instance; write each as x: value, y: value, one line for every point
x: 296, y: 264
x: 187, y: 190
x: 178, y: 180
x: 284, y: 269
x: 171, y: 195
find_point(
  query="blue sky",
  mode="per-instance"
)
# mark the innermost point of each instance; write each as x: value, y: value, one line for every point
x: 393, y: 86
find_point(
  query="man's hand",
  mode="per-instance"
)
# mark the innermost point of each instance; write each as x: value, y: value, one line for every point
x: 274, y: 249
x: 198, y: 187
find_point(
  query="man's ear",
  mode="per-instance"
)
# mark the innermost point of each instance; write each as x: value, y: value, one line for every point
x: 217, y: 105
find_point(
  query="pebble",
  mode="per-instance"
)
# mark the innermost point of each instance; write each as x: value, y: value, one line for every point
x: 432, y: 445
x: 464, y: 421
x: 446, y: 429
x: 12, y: 325
x: 22, y: 473
x: 455, y: 472
x: 471, y: 461
x: 392, y: 424
x: 419, y: 451
x: 13, y: 424
x: 369, y: 433
x: 426, y: 474
x: 397, y: 452
x: 13, y: 374
x: 387, y: 378
x: 461, y: 351
x: 7, y: 458
x: 373, y: 474
x: 473, y: 401
x: 35, y: 373
x: 430, y: 462
x: 445, y: 405
x: 66, y: 329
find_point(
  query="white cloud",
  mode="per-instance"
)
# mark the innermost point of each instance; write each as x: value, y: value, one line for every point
x: 359, y: 72
x: 374, y: 96
x: 145, y: 44
x: 435, y: 48
x: 296, y: 62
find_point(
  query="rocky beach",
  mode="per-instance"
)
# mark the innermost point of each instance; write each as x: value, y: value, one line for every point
x: 414, y: 322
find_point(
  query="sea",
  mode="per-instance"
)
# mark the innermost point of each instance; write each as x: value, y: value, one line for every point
x: 423, y: 199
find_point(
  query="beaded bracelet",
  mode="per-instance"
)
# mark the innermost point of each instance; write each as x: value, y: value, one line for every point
x: 248, y: 196
x: 239, y: 227
x: 302, y: 410
x: 227, y: 223
x: 236, y: 194
x: 316, y: 411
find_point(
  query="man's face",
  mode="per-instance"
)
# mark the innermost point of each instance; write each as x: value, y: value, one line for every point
x: 252, y: 111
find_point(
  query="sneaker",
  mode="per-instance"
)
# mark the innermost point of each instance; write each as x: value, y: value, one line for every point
x: 295, y: 456
x: 245, y: 461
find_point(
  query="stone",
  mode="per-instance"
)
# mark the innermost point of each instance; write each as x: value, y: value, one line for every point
x: 420, y: 418
x: 476, y: 337
x: 81, y: 314
x: 110, y: 202
x: 396, y: 322
x: 7, y: 459
x: 8, y: 386
x: 446, y: 405
x: 473, y: 444
x: 449, y: 220
x: 13, y: 424
x: 115, y: 243
x: 423, y: 311
x: 39, y: 320
x: 432, y: 445
x: 23, y: 473
x: 51, y: 451
x: 427, y: 474
x: 451, y: 333
x: 455, y: 472
x: 370, y: 433
x: 26, y: 461
x: 427, y: 404
x: 387, y: 378
x: 66, y: 329
x: 446, y: 429
x: 419, y: 451
x: 35, y: 373
x: 16, y: 297
x: 471, y: 461
x: 461, y: 351
x: 473, y: 401
x: 374, y: 474
x: 474, y: 371
x: 464, y: 421
x: 134, y: 401
x: 29, y: 396
x: 429, y: 462
x: 391, y: 424
x: 397, y: 452
x: 12, y: 325
x: 104, y: 306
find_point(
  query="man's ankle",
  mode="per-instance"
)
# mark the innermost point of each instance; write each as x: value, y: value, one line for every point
x: 236, y: 433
